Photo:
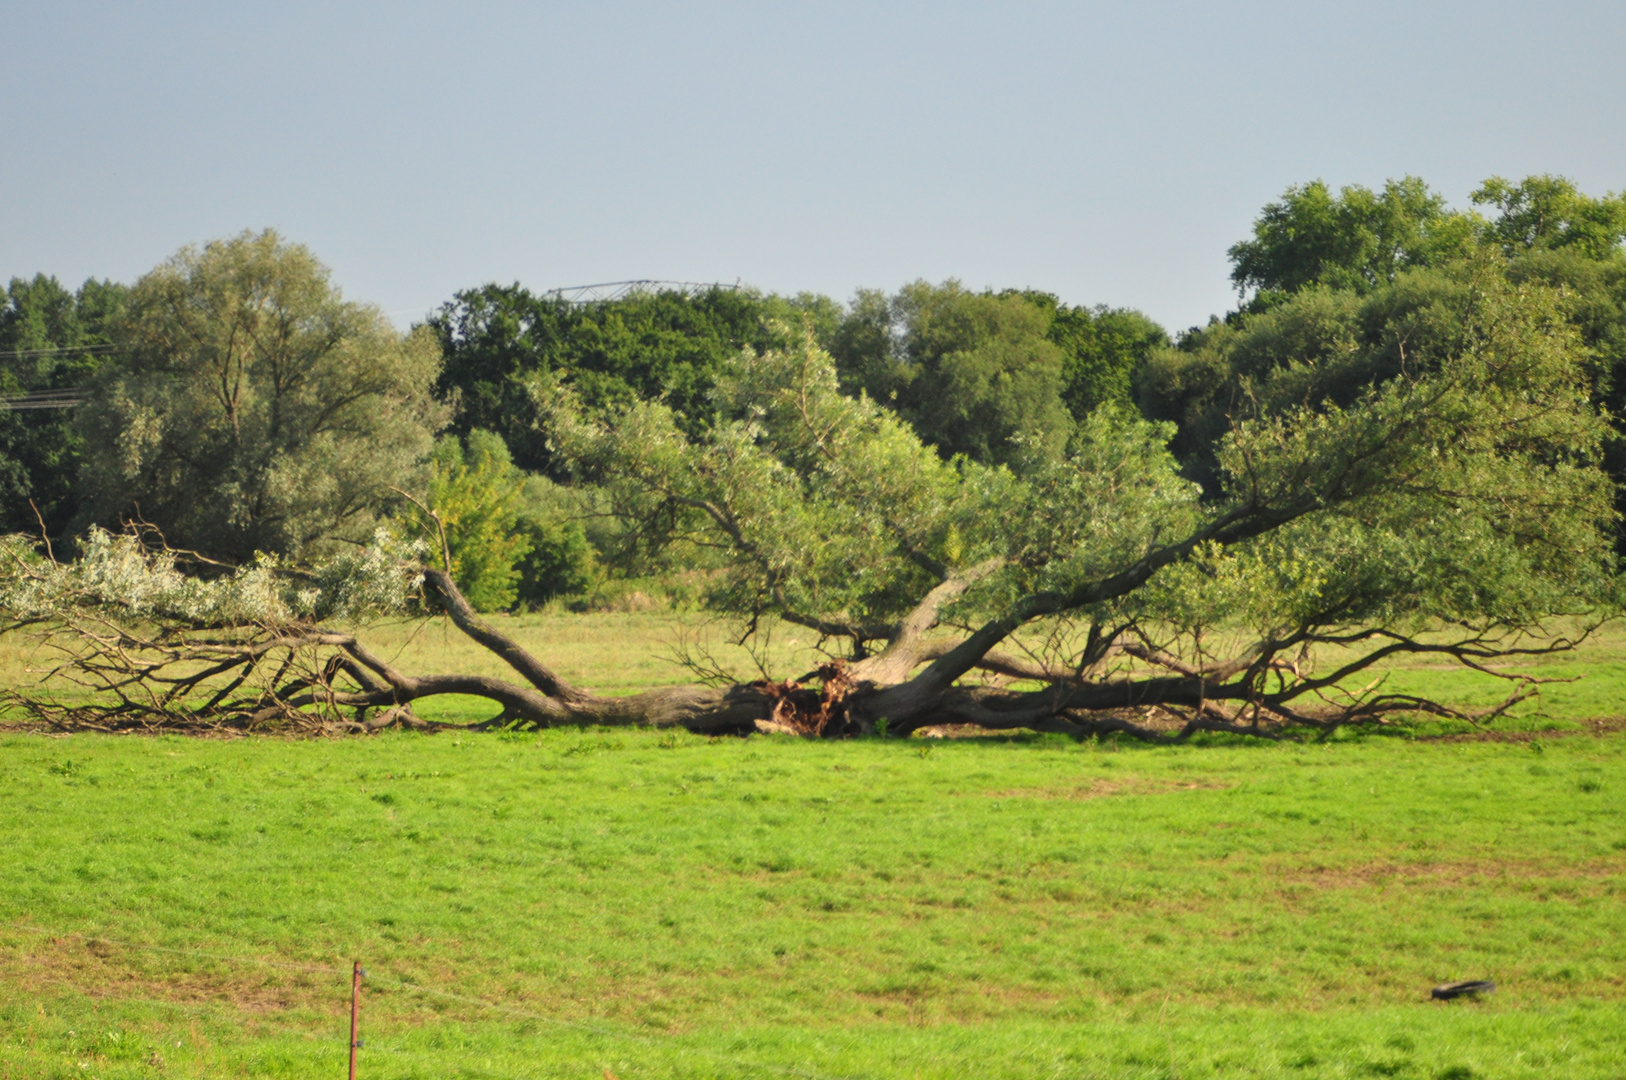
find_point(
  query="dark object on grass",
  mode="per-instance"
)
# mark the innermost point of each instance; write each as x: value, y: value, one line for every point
x: 1471, y: 988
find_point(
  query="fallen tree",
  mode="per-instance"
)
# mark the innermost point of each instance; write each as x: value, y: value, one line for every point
x: 1453, y: 509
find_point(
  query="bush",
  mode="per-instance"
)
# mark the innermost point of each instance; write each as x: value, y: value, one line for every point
x: 561, y: 561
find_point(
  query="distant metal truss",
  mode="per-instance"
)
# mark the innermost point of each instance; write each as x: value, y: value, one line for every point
x: 621, y: 290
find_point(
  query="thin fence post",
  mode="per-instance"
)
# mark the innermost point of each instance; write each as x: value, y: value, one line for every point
x: 355, y: 1009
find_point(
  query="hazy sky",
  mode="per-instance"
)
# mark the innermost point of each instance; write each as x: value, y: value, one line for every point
x: 1107, y: 153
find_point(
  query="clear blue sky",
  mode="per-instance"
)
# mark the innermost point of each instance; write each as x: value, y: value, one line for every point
x: 1107, y: 152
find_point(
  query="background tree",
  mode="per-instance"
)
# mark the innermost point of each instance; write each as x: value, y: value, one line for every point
x: 668, y: 344
x: 974, y: 373
x: 1326, y: 345
x: 1358, y: 239
x: 1544, y: 230
x: 1549, y: 213
x: 256, y: 409
x: 1102, y: 348
x: 561, y: 562
x: 472, y: 505
x: 51, y: 339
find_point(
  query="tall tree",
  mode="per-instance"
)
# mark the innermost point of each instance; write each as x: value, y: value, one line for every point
x: 1548, y: 213
x: 257, y: 410
x: 1358, y: 239
x: 1543, y: 227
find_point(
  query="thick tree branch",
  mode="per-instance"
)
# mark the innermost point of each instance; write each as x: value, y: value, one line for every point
x: 512, y: 654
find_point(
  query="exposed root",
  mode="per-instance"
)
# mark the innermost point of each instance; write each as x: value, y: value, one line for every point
x: 799, y: 710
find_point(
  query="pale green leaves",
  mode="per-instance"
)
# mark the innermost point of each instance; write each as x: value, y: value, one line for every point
x: 121, y: 578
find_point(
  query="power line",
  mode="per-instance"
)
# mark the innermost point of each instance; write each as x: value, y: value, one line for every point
x: 55, y: 350
x: 64, y: 398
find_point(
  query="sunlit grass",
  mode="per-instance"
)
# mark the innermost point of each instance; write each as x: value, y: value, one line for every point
x: 670, y: 906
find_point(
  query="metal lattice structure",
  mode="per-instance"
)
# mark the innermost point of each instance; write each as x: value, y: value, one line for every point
x: 608, y: 291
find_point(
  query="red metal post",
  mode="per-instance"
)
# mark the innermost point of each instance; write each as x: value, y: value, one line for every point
x: 355, y: 1008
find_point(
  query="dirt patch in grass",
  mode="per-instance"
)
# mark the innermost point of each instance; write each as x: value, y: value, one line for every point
x: 99, y: 970
x: 1102, y: 788
x: 1448, y: 873
x: 1596, y: 726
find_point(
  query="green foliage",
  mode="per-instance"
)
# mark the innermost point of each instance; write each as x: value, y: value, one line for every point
x: 561, y: 562
x: 1358, y: 239
x: 819, y: 502
x: 509, y: 535
x: 1544, y: 227
x: 474, y: 494
x: 70, y: 335
x: 665, y: 345
x: 1320, y: 345
x: 1116, y: 495
x: 1425, y: 452
x: 983, y: 374
x: 973, y: 373
x: 1491, y: 510
x: 258, y: 410
x: 120, y: 579
x: 1101, y: 351
x: 1548, y: 213
x: 998, y: 908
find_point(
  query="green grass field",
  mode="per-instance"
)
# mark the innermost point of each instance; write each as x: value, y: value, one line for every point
x: 662, y: 905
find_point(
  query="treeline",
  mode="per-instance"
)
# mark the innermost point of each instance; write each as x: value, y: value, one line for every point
x: 236, y: 401
x: 991, y: 375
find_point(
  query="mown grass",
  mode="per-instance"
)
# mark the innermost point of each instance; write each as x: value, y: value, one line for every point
x: 663, y: 905
x: 669, y: 906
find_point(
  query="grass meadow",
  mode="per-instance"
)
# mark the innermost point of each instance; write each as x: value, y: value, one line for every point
x: 657, y: 904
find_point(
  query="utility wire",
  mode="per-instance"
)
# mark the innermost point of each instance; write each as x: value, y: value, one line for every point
x: 55, y: 350
x: 62, y: 398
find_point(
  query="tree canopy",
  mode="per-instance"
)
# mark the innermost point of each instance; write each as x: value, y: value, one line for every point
x: 256, y: 410
x: 667, y: 344
x: 1357, y: 239
x: 999, y: 377
x: 1550, y: 213
x: 51, y: 339
x: 1542, y: 229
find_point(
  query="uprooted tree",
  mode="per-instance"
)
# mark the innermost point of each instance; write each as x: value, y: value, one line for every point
x: 1453, y: 507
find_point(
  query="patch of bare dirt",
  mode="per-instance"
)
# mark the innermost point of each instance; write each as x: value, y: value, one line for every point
x: 1102, y: 787
x: 1598, y: 726
x: 1450, y: 873
x: 99, y: 969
